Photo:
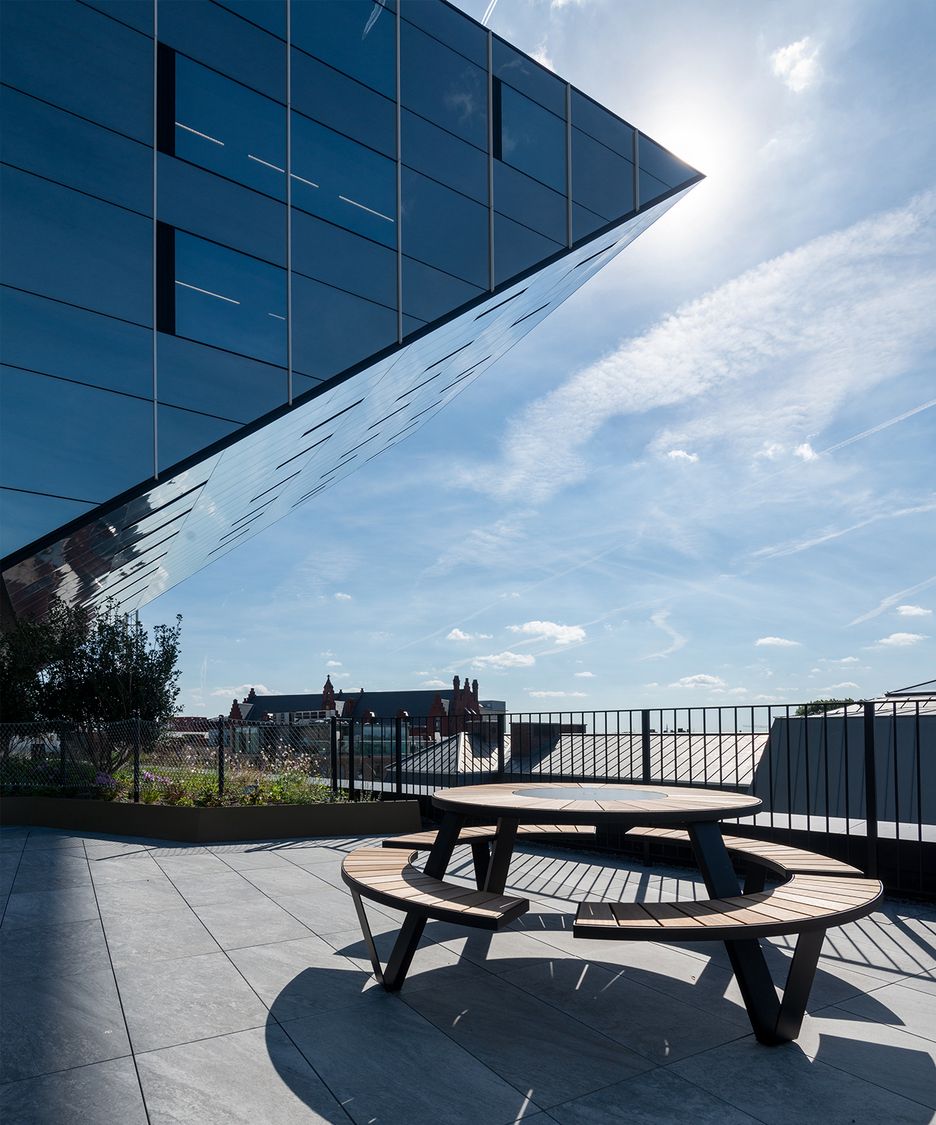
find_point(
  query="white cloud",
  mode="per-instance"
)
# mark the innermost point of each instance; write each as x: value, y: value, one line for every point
x: 542, y: 56
x: 557, y: 694
x: 333, y: 664
x: 682, y: 455
x: 551, y: 631
x: 771, y: 451
x: 893, y: 599
x: 842, y: 660
x: 584, y: 675
x: 901, y: 640
x: 701, y: 679
x: 244, y: 689
x: 343, y: 597
x: 797, y: 65
x: 502, y: 660
x: 458, y: 635
x: 776, y: 642
x: 847, y: 685
x: 913, y: 611
x: 677, y: 640
x: 434, y: 683
x: 805, y: 452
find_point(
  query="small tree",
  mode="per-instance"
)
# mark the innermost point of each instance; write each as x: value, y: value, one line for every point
x: 90, y: 670
x: 820, y: 706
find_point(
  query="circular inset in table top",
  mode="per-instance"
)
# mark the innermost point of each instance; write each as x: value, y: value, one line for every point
x: 573, y: 802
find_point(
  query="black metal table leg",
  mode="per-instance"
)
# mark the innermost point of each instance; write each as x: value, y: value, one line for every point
x: 481, y: 857
x: 500, y: 859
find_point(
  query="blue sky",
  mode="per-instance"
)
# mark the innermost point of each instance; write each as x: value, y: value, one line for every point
x: 708, y: 477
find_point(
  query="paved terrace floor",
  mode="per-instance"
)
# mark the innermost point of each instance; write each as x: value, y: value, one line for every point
x: 146, y: 982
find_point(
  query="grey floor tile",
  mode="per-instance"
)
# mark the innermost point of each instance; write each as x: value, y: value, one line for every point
x: 385, y: 1063
x: 51, y: 1023
x: 783, y: 1086
x: 161, y: 935
x: 248, y: 1078
x: 176, y: 864
x: 172, y: 1002
x: 60, y: 950
x: 531, y: 1044
x: 287, y: 879
x: 254, y: 921
x: 40, y: 839
x: 299, y: 977
x: 223, y: 887
x: 105, y: 1093
x: 325, y: 910
x: 659, y: 1097
x: 123, y: 868
x: 497, y: 952
x: 52, y: 869
x: 112, y: 848
x: 139, y: 896
x: 248, y: 858
x: 909, y: 1008
x: 48, y: 908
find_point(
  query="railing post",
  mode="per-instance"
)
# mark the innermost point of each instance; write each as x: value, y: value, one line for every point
x: 398, y: 753
x: 220, y: 757
x: 333, y: 734
x: 871, y: 809
x: 645, y: 746
x: 501, y: 723
x: 136, y: 757
x: 351, y: 758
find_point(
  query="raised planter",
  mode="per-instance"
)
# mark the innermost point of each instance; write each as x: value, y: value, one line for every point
x: 213, y: 825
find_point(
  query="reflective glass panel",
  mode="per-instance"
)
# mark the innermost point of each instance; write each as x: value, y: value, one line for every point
x: 584, y: 222
x: 355, y: 36
x: 662, y: 165
x: 337, y: 257
x: 529, y: 202
x: 595, y: 120
x: 217, y: 37
x: 25, y: 517
x: 328, y: 96
x: 532, y: 139
x: 197, y: 201
x: 269, y: 14
x: 428, y: 293
x: 602, y: 181
x: 80, y: 60
x: 53, y: 143
x: 343, y: 181
x: 333, y: 330
x: 651, y: 188
x: 61, y: 340
x: 66, y: 245
x: 135, y: 13
x: 217, y: 382
x: 443, y: 86
x: 529, y: 77
x: 224, y: 126
x: 517, y: 248
x: 444, y: 229
x: 438, y: 154
x: 449, y: 26
x: 182, y: 433
x: 230, y: 300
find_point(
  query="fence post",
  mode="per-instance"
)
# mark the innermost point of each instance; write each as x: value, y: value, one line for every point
x: 398, y: 752
x: 645, y: 746
x: 333, y: 742
x: 351, y: 758
x: 501, y: 722
x: 136, y: 756
x: 871, y: 809
x: 220, y: 757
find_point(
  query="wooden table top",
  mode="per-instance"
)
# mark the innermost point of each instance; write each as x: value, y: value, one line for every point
x: 582, y: 802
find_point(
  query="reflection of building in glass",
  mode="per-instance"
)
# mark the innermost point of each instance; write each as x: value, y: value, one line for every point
x: 247, y: 249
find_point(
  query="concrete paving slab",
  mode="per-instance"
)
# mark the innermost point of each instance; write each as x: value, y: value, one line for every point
x: 106, y: 1093
x: 59, y: 950
x: 253, y: 921
x: 161, y: 935
x: 140, y: 896
x: 47, y: 908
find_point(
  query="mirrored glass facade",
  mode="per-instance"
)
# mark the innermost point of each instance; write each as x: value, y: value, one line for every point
x: 248, y: 247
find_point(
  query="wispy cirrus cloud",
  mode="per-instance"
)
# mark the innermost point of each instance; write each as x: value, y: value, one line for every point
x: 557, y: 694
x: 677, y: 640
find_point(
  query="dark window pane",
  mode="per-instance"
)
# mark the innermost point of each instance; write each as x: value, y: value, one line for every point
x: 529, y: 202
x: 651, y: 188
x: 72, y: 440
x: 302, y: 384
x: 197, y: 201
x: 343, y: 181
x: 323, y: 345
x: 343, y: 104
x: 215, y: 36
x: 429, y: 294
x: 444, y: 229
x: 58, y: 339
x: 223, y: 126
x: 532, y: 139
x: 432, y: 150
x: 182, y: 433
x: 412, y: 324
x: 529, y: 77
x: 449, y: 26
x: 591, y: 118
x: 230, y: 300
x: 56, y: 144
x: 270, y: 14
x: 439, y: 84
x: 355, y: 36
x: 66, y: 245
x: 81, y: 60
x: 136, y: 13
x: 662, y: 164
x: 25, y: 517
x: 584, y: 222
x: 517, y: 248
x: 338, y: 257
x: 202, y: 378
x: 602, y: 181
